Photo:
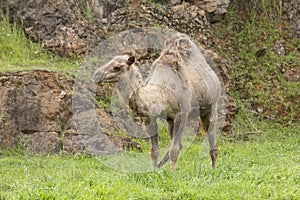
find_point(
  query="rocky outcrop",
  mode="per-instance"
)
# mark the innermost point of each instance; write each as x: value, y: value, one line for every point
x: 36, y: 113
x: 75, y: 27
x: 32, y: 103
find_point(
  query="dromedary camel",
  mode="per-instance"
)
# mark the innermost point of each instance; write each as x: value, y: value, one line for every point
x: 179, y: 80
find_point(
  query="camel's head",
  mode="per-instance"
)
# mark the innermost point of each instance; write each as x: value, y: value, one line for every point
x: 112, y: 71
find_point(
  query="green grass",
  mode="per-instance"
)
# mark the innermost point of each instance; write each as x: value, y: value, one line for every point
x: 104, y: 102
x: 266, y: 166
x: 19, y: 53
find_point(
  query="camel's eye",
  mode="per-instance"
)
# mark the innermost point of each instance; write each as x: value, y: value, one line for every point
x: 117, y: 68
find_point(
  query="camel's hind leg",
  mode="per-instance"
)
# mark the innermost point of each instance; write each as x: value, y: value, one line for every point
x: 170, y: 127
x: 212, y: 135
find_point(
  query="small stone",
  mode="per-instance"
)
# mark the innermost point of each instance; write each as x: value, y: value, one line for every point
x: 175, y: 2
x: 178, y: 9
x: 62, y: 94
x: 279, y: 48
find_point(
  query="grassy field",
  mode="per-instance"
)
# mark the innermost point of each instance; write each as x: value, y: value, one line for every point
x: 262, y: 166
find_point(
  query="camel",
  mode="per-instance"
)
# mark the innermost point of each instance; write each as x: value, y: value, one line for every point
x: 177, y: 77
x: 181, y: 82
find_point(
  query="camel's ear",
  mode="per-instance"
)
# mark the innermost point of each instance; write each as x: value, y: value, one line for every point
x: 130, y: 60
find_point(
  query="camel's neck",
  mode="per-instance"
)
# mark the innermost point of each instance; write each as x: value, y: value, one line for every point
x: 133, y: 78
x: 129, y: 82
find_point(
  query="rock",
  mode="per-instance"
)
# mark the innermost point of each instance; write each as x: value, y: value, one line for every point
x: 103, y: 9
x: 126, y: 143
x: 215, y: 8
x: 278, y: 47
x: 37, y: 113
x: 31, y: 101
x: 32, y: 108
x: 73, y: 144
x: 42, y: 142
x: 175, y: 2
x: 177, y: 9
x: 9, y: 137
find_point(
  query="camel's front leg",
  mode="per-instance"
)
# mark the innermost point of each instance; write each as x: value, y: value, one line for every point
x: 154, y: 148
x: 180, y: 122
x: 172, y: 132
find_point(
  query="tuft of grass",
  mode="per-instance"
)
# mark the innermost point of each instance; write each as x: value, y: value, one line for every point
x: 88, y: 10
x: 19, y: 53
